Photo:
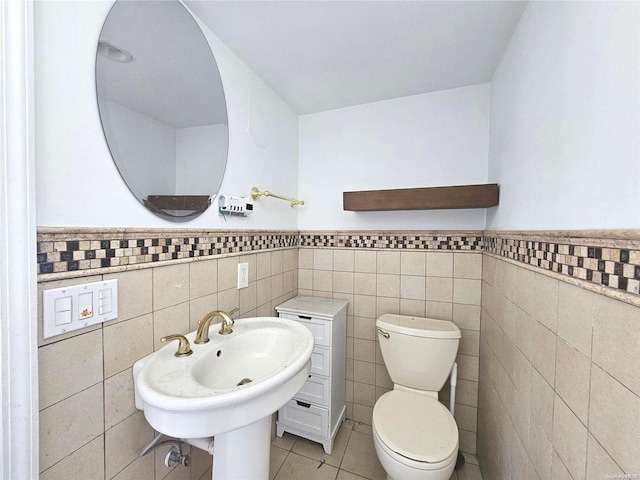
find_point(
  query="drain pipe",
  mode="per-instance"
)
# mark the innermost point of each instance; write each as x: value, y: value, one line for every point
x: 205, y: 444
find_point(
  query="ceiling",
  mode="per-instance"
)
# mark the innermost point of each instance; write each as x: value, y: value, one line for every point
x: 323, y: 55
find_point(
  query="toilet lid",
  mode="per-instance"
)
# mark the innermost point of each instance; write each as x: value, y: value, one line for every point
x: 415, y: 426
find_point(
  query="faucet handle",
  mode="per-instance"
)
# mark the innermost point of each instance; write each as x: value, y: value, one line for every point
x: 184, y: 348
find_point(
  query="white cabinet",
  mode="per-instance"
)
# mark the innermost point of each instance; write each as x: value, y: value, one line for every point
x: 318, y: 409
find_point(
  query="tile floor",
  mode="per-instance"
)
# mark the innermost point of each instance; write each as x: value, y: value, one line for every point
x: 353, y: 458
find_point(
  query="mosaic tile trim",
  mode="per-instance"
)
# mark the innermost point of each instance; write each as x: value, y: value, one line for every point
x: 57, y: 255
x: 617, y: 268
x: 393, y: 241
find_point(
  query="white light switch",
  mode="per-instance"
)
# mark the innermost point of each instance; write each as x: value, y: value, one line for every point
x: 243, y: 275
x: 62, y: 308
x: 70, y: 308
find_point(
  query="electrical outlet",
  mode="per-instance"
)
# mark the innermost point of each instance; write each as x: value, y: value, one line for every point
x: 243, y: 275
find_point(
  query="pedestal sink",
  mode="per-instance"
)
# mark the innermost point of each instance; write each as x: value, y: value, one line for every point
x: 228, y: 388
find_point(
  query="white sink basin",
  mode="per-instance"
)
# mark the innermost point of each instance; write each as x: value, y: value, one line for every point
x: 226, y: 384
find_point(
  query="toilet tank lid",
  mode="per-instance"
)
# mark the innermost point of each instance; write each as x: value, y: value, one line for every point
x: 418, y: 326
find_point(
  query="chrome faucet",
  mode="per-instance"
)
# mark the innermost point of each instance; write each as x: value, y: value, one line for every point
x: 202, y: 335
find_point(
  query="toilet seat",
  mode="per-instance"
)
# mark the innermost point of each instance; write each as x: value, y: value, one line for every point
x: 415, y: 426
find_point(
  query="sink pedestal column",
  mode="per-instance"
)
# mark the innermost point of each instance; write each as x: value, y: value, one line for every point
x: 243, y: 453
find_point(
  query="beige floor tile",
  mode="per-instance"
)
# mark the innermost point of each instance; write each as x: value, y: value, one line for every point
x: 315, y: 451
x: 285, y: 442
x: 360, y: 457
x: 278, y: 456
x: 469, y: 472
x: 297, y: 467
x: 344, y: 475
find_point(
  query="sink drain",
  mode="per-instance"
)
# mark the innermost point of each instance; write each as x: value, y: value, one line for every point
x: 244, y: 381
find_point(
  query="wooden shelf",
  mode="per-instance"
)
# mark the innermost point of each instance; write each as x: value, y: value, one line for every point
x: 459, y: 196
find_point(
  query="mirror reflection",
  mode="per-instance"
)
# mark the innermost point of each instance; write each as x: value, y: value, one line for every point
x: 162, y: 106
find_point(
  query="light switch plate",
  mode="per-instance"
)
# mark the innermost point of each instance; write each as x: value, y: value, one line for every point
x: 243, y: 275
x: 70, y: 308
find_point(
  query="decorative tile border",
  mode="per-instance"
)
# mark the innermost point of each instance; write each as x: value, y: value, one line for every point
x: 394, y: 240
x: 608, y: 258
x: 68, y: 250
x: 608, y: 262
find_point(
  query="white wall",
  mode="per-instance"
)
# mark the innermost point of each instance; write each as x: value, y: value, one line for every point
x: 157, y: 153
x: 425, y: 140
x: 77, y: 183
x: 195, y: 147
x: 565, y: 119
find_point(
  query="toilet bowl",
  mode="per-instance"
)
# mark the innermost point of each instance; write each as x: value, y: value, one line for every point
x: 415, y: 436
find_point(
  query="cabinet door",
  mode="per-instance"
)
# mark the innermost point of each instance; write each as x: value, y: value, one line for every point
x: 306, y: 417
x: 321, y: 361
x: 315, y: 390
x: 321, y: 329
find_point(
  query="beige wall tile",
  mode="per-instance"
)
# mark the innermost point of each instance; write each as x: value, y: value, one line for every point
x: 599, y: 463
x: 290, y: 260
x: 545, y: 304
x: 169, y: 321
x: 135, y: 292
x: 343, y: 260
x: 439, y: 289
x: 305, y: 258
x: 413, y: 263
x: 323, y: 280
x: 525, y: 298
x: 440, y: 264
x: 203, y: 278
x: 364, y: 306
x: 558, y: 469
x: 509, y: 281
x: 467, y: 265
x: 199, y: 307
x: 263, y: 263
x: 388, y: 262
x: 524, y: 332
x: 540, y: 451
x: 69, y: 366
x: 544, y: 352
x: 126, y: 342
x: 575, y: 316
x: 439, y: 310
x: 388, y: 285
x: 141, y: 469
x: 569, y: 438
x: 322, y: 259
x: 616, y: 340
x: 467, y: 367
x: 364, y: 327
x: 263, y: 291
x: 229, y: 299
x: 364, y: 283
x: 85, y: 463
x: 124, y: 442
x: 227, y: 273
x: 343, y: 282
x: 119, y: 393
x: 614, y: 416
x: 364, y: 372
x: 510, y: 319
x: 467, y: 291
x: 70, y: 424
x: 573, y: 372
x: 170, y: 285
x: 277, y: 262
x: 248, y: 295
x: 542, y: 397
x: 364, y: 350
x: 412, y: 287
x: 365, y: 262
x: 467, y: 316
x: 469, y: 343
x: 305, y: 279
x: 466, y: 417
x: 416, y: 308
x: 364, y: 394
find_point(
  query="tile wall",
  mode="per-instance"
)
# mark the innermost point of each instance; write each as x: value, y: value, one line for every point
x: 559, y: 379
x: 444, y: 284
x: 89, y: 427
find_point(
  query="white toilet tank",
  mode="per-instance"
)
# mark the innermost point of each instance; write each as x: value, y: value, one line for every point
x: 418, y: 352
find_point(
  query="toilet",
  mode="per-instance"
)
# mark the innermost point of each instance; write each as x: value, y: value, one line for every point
x: 415, y: 436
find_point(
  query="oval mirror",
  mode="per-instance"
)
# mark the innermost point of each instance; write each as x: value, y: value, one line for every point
x: 162, y: 106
